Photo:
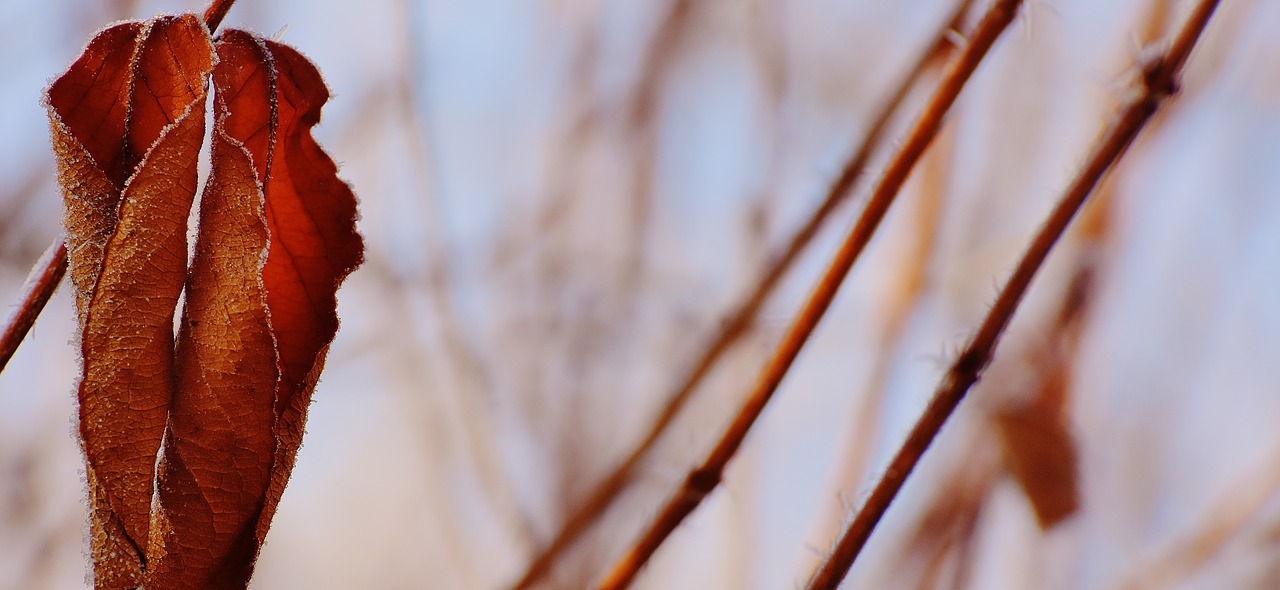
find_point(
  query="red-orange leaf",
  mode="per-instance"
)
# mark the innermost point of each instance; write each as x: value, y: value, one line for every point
x: 310, y: 215
x: 218, y: 455
x: 277, y: 236
x: 127, y: 121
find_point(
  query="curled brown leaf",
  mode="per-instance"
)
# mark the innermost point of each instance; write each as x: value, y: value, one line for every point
x: 277, y: 235
x: 310, y: 216
x: 127, y: 120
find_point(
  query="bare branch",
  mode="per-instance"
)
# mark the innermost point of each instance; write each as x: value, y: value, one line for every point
x: 705, y: 477
x: 1159, y: 82
x: 741, y: 318
x: 43, y: 280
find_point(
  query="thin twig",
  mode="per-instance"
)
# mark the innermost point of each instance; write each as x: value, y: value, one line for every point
x: 897, y: 303
x: 704, y: 478
x: 48, y: 271
x: 216, y: 12
x: 640, y: 121
x: 44, y: 278
x: 741, y: 318
x: 1229, y: 516
x: 1159, y: 82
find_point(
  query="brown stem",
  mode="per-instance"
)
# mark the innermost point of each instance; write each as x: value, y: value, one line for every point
x: 44, y: 278
x: 1159, y: 82
x: 741, y: 318
x: 704, y: 478
x: 216, y: 12
x: 898, y: 302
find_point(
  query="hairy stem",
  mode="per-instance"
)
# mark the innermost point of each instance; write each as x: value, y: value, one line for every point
x: 740, y: 319
x: 216, y: 12
x: 1158, y: 82
x: 44, y: 278
x: 705, y: 477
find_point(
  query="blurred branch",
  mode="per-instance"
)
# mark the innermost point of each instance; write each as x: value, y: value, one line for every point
x: 704, y: 478
x: 40, y: 284
x: 1038, y: 448
x: 768, y: 47
x: 741, y: 318
x: 946, y: 528
x: 896, y: 304
x: 640, y: 120
x: 1159, y: 79
x: 440, y: 274
x: 1241, y: 503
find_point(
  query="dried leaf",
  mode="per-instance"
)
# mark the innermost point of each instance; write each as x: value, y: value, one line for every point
x: 214, y: 473
x: 314, y: 245
x: 1040, y: 453
x: 276, y: 237
x: 1036, y: 441
x: 127, y: 121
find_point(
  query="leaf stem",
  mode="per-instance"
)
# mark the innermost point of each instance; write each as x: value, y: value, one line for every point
x: 703, y: 479
x: 1159, y: 82
x: 40, y: 284
x: 216, y: 12
x: 741, y: 317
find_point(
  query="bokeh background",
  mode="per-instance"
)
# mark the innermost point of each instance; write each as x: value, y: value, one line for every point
x: 563, y: 198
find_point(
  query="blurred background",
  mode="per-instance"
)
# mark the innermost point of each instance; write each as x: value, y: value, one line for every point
x: 563, y: 200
